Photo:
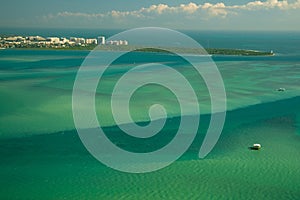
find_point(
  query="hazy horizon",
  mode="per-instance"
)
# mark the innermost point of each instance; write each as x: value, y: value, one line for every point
x: 269, y: 15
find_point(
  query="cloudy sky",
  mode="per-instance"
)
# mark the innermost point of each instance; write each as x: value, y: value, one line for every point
x: 178, y: 14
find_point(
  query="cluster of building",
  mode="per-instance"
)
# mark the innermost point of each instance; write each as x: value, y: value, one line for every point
x: 101, y: 41
x: 56, y: 42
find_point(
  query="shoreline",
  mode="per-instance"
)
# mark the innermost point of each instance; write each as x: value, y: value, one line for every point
x: 169, y: 50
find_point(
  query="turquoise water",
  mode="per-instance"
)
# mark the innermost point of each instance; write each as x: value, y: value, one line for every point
x: 36, y: 87
x: 43, y: 158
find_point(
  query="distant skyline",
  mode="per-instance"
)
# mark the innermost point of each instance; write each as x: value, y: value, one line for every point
x: 176, y: 14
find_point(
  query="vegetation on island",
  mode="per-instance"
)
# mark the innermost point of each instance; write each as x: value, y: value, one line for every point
x: 209, y: 51
x: 242, y: 52
x: 194, y: 51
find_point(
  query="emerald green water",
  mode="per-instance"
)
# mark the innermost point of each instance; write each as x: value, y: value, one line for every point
x: 58, y: 167
x: 36, y: 93
x: 43, y: 158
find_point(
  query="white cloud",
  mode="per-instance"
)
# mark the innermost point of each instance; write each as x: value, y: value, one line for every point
x: 160, y: 8
x: 189, y: 8
x: 218, y: 9
x: 78, y: 14
x: 269, y: 4
x: 164, y: 14
x: 215, y: 10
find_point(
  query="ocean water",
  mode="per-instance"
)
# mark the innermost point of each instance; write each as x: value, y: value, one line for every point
x: 42, y: 156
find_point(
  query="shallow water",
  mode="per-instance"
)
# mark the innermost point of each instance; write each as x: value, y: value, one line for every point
x: 36, y: 96
x: 57, y: 166
x: 51, y: 162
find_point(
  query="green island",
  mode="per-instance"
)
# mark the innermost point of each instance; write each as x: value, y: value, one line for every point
x: 89, y: 44
x: 180, y: 50
x: 194, y: 51
x: 209, y: 51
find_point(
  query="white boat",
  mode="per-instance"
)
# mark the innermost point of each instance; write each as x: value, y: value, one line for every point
x: 2, y: 48
x: 256, y: 146
x: 281, y: 89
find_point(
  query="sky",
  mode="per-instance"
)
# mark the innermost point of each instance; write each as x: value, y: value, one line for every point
x: 175, y: 14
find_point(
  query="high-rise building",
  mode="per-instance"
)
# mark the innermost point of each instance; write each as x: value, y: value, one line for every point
x: 101, y: 40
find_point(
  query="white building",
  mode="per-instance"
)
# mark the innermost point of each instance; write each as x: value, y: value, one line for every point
x: 77, y: 40
x: 54, y: 40
x: 91, y: 41
x: 64, y: 40
x: 11, y: 39
x: 72, y: 43
x: 81, y: 41
x: 117, y: 42
x: 123, y: 42
x: 36, y: 38
x: 101, y: 40
x: 73, y: 39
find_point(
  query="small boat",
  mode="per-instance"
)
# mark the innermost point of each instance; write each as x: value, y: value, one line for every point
x: 256, y: 147
x: 281, y: 89
x: 1, y: 48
